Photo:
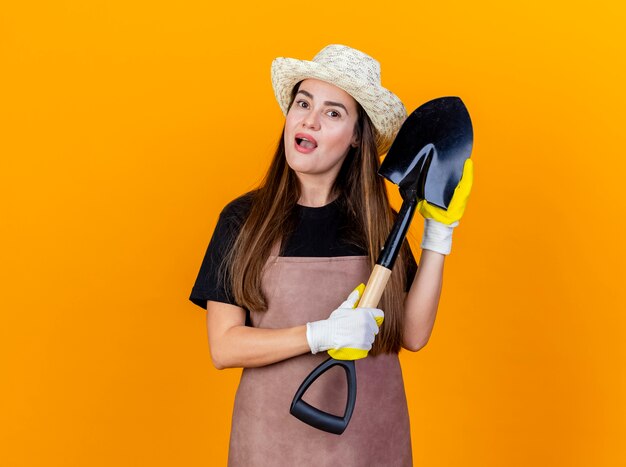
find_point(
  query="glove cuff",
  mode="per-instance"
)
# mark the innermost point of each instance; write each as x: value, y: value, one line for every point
x: 437, y: 236
x: 319, y: 335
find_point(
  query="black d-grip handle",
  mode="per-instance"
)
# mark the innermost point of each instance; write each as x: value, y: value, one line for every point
x: 317, y: 418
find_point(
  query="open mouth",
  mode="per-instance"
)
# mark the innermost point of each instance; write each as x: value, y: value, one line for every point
x: 306, y: 142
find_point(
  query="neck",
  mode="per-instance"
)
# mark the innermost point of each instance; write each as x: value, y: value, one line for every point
x: 316, y: 195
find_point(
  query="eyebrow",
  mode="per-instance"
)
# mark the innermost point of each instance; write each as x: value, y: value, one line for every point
x: 336, y: 104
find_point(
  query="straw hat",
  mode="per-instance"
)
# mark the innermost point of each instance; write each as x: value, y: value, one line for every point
x: 353, y: 71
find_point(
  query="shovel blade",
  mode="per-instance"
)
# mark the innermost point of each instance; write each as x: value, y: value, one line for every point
x: 427, y: 156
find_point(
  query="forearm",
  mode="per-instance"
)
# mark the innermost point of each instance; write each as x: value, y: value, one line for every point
x: 245, y: 346
x: 422, y: 301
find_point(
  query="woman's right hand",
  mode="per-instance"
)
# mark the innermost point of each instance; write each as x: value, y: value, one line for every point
x: 346, y: 328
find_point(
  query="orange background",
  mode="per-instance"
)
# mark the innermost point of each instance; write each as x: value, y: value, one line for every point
x: 125, y: 127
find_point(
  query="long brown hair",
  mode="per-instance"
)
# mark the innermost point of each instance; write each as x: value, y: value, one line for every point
x: 362, y: 196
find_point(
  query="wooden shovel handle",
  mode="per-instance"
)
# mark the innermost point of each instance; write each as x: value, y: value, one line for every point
x: 375, y: 287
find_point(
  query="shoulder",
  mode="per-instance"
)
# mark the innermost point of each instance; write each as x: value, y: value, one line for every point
x: 232, y: 218
x: 237, y: 210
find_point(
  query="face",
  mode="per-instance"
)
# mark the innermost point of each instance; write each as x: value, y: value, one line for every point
x: 319, y: 130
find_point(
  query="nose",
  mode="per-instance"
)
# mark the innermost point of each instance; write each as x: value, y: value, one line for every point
x: 311, y: 120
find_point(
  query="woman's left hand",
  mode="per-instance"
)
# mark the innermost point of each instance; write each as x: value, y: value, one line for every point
x: 457, y: 203
x: 439, y: 223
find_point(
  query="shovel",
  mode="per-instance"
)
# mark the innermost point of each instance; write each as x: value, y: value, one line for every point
x: 426, y: 162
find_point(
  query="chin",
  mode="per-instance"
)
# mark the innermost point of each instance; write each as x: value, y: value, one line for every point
x: 310, y: 165
x: 297, y: 161
x: 300, y: 168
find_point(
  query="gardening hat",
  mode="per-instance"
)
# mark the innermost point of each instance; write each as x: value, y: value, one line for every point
x: 353, y: 71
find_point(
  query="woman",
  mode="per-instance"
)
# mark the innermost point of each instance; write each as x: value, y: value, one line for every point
x: 284, y: 255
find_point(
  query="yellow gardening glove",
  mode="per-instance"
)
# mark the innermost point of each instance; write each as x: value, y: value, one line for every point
x: 457, y: 203
x: 354, y: 354
x: 440, y: 223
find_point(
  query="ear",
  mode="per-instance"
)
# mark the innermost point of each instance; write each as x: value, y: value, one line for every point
x: 355, y: 142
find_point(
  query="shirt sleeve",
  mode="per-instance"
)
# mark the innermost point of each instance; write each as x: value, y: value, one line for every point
x: 213, y: 280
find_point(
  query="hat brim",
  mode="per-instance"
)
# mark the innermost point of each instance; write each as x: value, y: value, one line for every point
x: 384, y: 108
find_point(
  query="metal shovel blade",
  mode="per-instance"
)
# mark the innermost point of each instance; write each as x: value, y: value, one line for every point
x: 427, y: 156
